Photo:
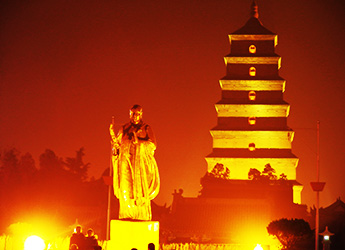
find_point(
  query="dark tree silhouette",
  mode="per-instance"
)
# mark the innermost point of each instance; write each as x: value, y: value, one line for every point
x: 254, y: 174
x: 50, y: 163
x: 16, y: 169
x: 219, y: 171
x: 283, y: 177
x: 76, y: 166
x: 9, y: 166
x: 269, y: 172
x: 55, y: 187
x: 267, y: 175
x: 293, y: 234
x: 27, y: 168
x: 17, y: 176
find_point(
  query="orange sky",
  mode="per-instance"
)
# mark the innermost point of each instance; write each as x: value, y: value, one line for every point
x: 68, y: 66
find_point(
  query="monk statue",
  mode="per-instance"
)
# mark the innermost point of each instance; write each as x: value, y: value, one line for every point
x: 136, y: 178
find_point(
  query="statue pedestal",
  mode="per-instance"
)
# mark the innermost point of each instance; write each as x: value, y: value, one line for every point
x: 125, y: 235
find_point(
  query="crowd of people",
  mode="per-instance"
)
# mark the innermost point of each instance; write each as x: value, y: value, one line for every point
x: 79, y: 241
x: 150, y: 246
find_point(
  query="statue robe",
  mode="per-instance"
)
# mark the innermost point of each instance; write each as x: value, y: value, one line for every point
x: 135, y: 173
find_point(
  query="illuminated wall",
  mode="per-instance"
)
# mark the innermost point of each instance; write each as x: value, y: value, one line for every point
x: 252, y: 115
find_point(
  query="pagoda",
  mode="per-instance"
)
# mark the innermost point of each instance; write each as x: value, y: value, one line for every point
x: 251, y: 171
x: 252, y: 131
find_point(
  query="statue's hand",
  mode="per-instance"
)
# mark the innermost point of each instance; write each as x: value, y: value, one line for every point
x: 115, y: 151
x: 136, y: 136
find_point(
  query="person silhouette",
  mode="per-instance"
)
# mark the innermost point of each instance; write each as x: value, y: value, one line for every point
x: 90, y: 240
x: 151, y: 246
x: 77, y: 238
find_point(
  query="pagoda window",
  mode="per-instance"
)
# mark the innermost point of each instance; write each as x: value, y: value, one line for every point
x: 252, y: 71
x: 251, y: 146
x: 252, y: 49
x: 252, y: 120
x: 252, y: 95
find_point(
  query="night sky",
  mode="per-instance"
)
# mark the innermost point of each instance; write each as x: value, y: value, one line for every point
x: 68, y: 66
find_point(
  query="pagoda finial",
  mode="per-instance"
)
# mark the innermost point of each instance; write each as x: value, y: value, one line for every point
x: 254, y: 10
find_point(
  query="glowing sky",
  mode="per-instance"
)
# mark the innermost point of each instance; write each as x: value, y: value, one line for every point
x: 68, y: 66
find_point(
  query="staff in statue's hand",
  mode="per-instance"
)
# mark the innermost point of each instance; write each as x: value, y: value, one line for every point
x: 115, y: 145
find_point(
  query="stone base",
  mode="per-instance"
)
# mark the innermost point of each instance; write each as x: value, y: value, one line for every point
x: 125, y: 235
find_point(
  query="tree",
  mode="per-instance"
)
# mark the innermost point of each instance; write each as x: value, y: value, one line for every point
x: 283, y: 177
x: 76, y: 166
x: 50, y: 163
x: 267, y: 175
x: 16, y: 169
x: 269, y: 172
x: 27, y: 168
x: 52, y: 178
x: 291, y: 233
x: 254, y: 174
x: 219, y: 171
x: 9, y: 166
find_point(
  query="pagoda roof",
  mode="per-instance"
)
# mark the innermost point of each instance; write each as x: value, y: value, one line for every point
x: 253, y: 26
x: 231, y: 77
x: 226, y: 127
x: 248, y: 102
x: 231, y: 54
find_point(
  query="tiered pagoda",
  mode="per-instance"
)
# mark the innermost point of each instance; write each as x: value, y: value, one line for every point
x: 252, y: 129
x: 251, y: 173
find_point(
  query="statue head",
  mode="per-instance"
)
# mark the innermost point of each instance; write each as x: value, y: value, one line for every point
x: 136, y: 114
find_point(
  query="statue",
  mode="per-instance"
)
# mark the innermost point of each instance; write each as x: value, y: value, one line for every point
x: 135, y: 174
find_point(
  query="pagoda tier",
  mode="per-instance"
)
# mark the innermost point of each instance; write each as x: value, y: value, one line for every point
x: 251, y: 129
x: 255, y: 85
x: 250, y: 110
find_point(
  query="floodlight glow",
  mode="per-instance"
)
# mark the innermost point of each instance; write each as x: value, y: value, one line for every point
x: 258, y: 247
x: 326, y: 237
x: 34, y: 243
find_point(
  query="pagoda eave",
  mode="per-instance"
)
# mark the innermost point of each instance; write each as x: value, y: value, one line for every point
x: 229, y: 101
x: 261, y: 139
x: 255, y: 110
x: 253, y: 60
x: 256, y: 85
x: 246, y: 37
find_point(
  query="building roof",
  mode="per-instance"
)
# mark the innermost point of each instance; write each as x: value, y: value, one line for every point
x: 337, y: 206
x: 253, y: 26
